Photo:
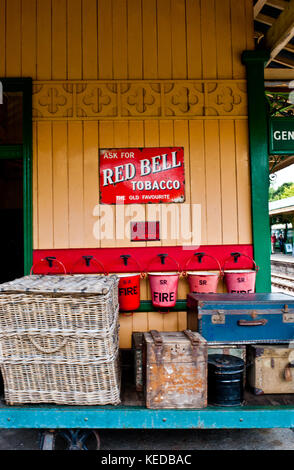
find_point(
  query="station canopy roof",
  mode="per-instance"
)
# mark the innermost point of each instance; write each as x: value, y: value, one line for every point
x: 274, y: 30
x: 282, y: 212
x: 282, y: 206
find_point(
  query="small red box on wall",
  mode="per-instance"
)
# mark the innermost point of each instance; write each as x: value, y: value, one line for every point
x: 144, y: 231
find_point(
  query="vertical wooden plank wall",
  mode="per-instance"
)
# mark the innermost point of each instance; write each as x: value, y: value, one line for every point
x: 134, y: 40
x: 124, y: 39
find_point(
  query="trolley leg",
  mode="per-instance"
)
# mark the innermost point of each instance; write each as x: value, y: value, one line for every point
x: 70, y: 439
x: 47, y: 440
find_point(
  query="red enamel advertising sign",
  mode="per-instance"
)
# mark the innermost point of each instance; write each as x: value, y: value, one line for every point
x: 142, y: 175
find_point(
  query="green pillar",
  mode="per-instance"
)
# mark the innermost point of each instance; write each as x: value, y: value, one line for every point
x: 258, y: 143
x: 27, y: 174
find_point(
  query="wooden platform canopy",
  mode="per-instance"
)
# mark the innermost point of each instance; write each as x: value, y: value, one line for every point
x: 274, y: 31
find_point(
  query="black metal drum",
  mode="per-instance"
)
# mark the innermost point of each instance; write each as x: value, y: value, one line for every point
x: 225, y: 380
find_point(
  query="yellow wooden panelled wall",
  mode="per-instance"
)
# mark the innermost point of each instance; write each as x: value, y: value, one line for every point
x: 124, y: 39
x: 181, y: 59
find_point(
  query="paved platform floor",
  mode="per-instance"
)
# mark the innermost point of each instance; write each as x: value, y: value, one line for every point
x: 231, y: 439
x: 282, y: 257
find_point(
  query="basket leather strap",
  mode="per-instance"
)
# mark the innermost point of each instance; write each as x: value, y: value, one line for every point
x: 190, y: 335
x: 194, y: 342
x: 158, y: 342
x: 156, y: 336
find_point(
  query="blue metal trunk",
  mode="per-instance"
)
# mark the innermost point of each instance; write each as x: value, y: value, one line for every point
x: 242, y: 318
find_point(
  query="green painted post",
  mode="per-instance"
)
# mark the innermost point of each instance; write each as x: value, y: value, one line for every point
x: 27, y: 174
x: 259, y: 163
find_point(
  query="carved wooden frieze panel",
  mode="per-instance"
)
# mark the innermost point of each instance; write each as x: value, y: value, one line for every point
x: 225, y: 99
x: 53, y: 99
x: 140, y: 99
x: 184, y: 99
x: 116, y: 99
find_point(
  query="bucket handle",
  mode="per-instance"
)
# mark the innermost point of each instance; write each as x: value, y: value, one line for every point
x: 88, y: 259
x: 163, y: 257
x: 236, y: 255
x: 126, y: 260
x: 200, y: 256
x: 50, y: 260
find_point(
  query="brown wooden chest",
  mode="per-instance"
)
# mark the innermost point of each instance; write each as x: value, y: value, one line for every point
x: 271, y: 369
x: 175, y: 365
x: 137, y: 347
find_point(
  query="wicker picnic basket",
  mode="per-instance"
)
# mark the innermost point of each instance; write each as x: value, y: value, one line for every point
x: 59, y: 340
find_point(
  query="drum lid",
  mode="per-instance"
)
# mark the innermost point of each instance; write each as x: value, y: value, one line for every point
x: 225, y: 363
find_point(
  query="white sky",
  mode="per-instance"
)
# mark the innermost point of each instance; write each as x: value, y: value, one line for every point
x: 284, y: 176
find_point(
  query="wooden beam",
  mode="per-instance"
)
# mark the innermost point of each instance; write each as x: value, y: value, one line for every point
x: 265, y: 19
x: 279, y: 4
x: 289, y: 160
x: 278, y: 74
x: 282, y: 210
x: 258, y: 7
x: 284, y: 61
x: 289, y: 47
x: 281, y: 32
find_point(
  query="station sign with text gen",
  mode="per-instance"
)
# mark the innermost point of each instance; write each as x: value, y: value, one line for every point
x: 282, y: 136
x: 142, y: 175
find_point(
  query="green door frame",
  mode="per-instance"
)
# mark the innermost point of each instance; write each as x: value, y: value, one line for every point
x: 23, y: 151
x: 259, y: 164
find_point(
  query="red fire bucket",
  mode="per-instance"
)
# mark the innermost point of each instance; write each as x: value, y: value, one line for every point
x: 129, y: 288
x: 203, y: 282
x: 129, y: 292
x: 164, y: 286
x: 240, y: 281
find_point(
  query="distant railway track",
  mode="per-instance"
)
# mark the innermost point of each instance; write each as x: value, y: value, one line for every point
x: 283, y: 282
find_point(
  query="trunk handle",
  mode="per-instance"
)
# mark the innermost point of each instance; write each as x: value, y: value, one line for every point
x: 287, y: 372
x: 260, y: 322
